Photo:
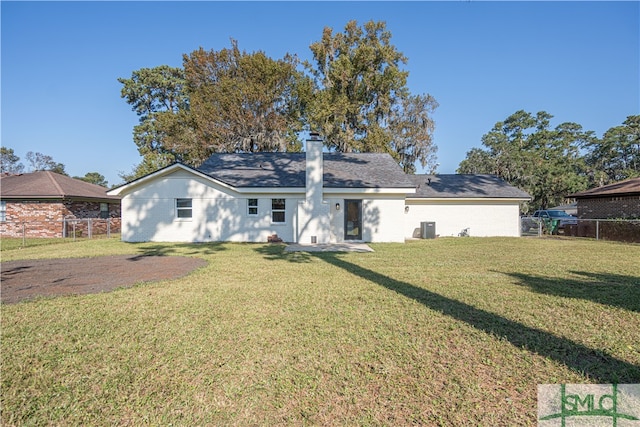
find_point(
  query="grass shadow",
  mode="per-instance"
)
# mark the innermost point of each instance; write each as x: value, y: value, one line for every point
x: 610, y: 289
x: 598, y: 366
x: 160, y: 249
x: 278, y: 252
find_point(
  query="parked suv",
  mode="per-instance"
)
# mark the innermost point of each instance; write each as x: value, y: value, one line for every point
x: 551, y: 218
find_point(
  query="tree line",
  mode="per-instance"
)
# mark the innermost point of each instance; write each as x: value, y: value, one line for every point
x: 551, y: 163
x: 353, y: 92
x: 10, y: 164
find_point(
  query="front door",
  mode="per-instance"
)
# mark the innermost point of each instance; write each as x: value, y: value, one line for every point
x: 353, y: 220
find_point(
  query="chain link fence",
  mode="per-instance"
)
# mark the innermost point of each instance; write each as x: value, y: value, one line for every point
x: 621, y: 230
x: 70, y: 228
x: 91, y: 228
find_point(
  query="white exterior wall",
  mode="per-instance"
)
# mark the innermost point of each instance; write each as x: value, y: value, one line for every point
x: 312, y: 221
x: 384, y: 220
x: 313, y: 213
x: 382, y: 217
x: 218, y: 213
x: 484, y: 218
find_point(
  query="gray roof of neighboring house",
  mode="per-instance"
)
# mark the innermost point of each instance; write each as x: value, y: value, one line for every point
x: 623, y: 188
x: 341, y: 170
x: 49, y: 185
x: 464, y: 186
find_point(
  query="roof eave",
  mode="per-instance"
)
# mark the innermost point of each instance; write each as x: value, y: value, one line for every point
x: 440, y: 198
x: 269, y: 190
x: 325, y: 190
x: 369, y: 190
x: 106, y: 198
x: 602, y: 195
x: 130, y: 186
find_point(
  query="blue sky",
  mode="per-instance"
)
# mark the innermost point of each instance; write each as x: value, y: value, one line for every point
x: 482, y: 61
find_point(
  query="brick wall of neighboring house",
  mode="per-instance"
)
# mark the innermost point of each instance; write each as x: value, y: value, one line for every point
x: 89, y: 209
x: 609, y: 207
x: 44, y: 218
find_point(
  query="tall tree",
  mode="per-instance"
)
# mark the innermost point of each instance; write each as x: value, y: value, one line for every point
x: 242, y: 102
x: 527, y: 153
x: 362, y: 103
x: 616, y: 156
x: 222, y: 101
x: 156, y: 95
x: 412, y: 127
x: 93, y: 178
x: 43, y: 162
x: 9, y: 162
x: 559, y: 167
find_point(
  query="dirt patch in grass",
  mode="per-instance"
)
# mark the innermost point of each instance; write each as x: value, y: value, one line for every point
x: 25, y: 279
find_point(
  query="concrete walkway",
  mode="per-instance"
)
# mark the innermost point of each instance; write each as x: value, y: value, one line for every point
x: 329, y: 247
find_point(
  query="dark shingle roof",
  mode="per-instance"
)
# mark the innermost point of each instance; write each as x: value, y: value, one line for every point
x: 257, y: 169
x: 464, y: 186
x: 365, y: 170
x: 341, y: 170
x: 49, y: 185
x: 627, y: 187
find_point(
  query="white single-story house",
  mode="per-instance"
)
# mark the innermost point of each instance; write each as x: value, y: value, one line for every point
x: 483, y: 205
x: 311, y: 197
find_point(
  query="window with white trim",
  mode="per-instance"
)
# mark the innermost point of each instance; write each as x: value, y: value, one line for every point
x: 3, y: 210
x: 278, y: 209
x: 183, y: 208
x: 252, y: 207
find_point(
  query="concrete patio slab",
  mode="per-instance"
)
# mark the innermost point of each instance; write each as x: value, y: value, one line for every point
x: 329, y: 247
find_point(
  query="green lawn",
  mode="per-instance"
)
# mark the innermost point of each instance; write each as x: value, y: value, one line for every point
x: 456, y: 331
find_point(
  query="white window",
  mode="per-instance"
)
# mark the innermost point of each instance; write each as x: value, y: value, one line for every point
x: 3, y: 211
x: 252, y: 207
x: 183, y: 208
x: 278, y: 210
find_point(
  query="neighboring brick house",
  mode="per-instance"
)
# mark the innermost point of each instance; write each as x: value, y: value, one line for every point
x: 44, y: 204
x: 618, y: 200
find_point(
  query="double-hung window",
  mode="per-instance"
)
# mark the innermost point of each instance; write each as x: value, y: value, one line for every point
x: 278, y: 210
x: 3, y: 211
x: 252, y: 207
x: 183, y: 208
